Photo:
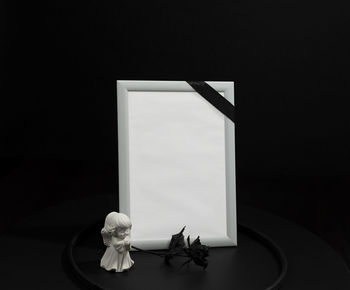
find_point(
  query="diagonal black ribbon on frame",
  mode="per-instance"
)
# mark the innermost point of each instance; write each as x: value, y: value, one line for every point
x: 214, y: 98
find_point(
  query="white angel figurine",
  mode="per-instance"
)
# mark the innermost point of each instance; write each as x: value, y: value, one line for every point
x: 116, y: 236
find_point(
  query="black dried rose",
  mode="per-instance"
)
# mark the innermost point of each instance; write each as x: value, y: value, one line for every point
x: 176, y: 245
x: 197, y: 252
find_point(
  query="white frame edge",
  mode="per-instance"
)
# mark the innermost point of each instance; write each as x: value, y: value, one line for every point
x: 123, y: 86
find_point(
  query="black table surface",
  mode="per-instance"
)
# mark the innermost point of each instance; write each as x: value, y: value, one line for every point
x: 31, y: 253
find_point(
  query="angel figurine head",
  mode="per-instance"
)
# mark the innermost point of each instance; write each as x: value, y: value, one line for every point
x: 116, y: 236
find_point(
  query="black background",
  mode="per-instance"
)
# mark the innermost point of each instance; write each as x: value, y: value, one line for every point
x: 289, y: 61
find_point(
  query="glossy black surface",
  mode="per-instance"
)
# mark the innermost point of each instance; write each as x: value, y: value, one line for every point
x: 31, y: 254
x: 250, y: 266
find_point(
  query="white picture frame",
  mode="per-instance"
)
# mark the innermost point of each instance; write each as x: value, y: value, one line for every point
x: 176, y: 163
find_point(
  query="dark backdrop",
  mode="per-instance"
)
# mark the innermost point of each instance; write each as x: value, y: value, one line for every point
x: 289, y: 61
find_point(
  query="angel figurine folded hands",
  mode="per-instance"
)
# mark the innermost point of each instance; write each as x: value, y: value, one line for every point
x: 116, y: 236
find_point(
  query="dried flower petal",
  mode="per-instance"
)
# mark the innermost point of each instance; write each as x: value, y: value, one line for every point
x: 176, y: 245
x: 197, y: 252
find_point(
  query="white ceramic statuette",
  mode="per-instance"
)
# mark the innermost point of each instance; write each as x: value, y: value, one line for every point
x: 116, y: 236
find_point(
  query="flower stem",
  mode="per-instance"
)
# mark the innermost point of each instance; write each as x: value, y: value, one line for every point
x: 148, y: 252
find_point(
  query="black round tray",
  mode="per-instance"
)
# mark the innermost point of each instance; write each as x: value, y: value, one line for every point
x: 256, y: 263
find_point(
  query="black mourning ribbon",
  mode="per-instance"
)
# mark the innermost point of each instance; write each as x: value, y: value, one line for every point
x: 214, y: 98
